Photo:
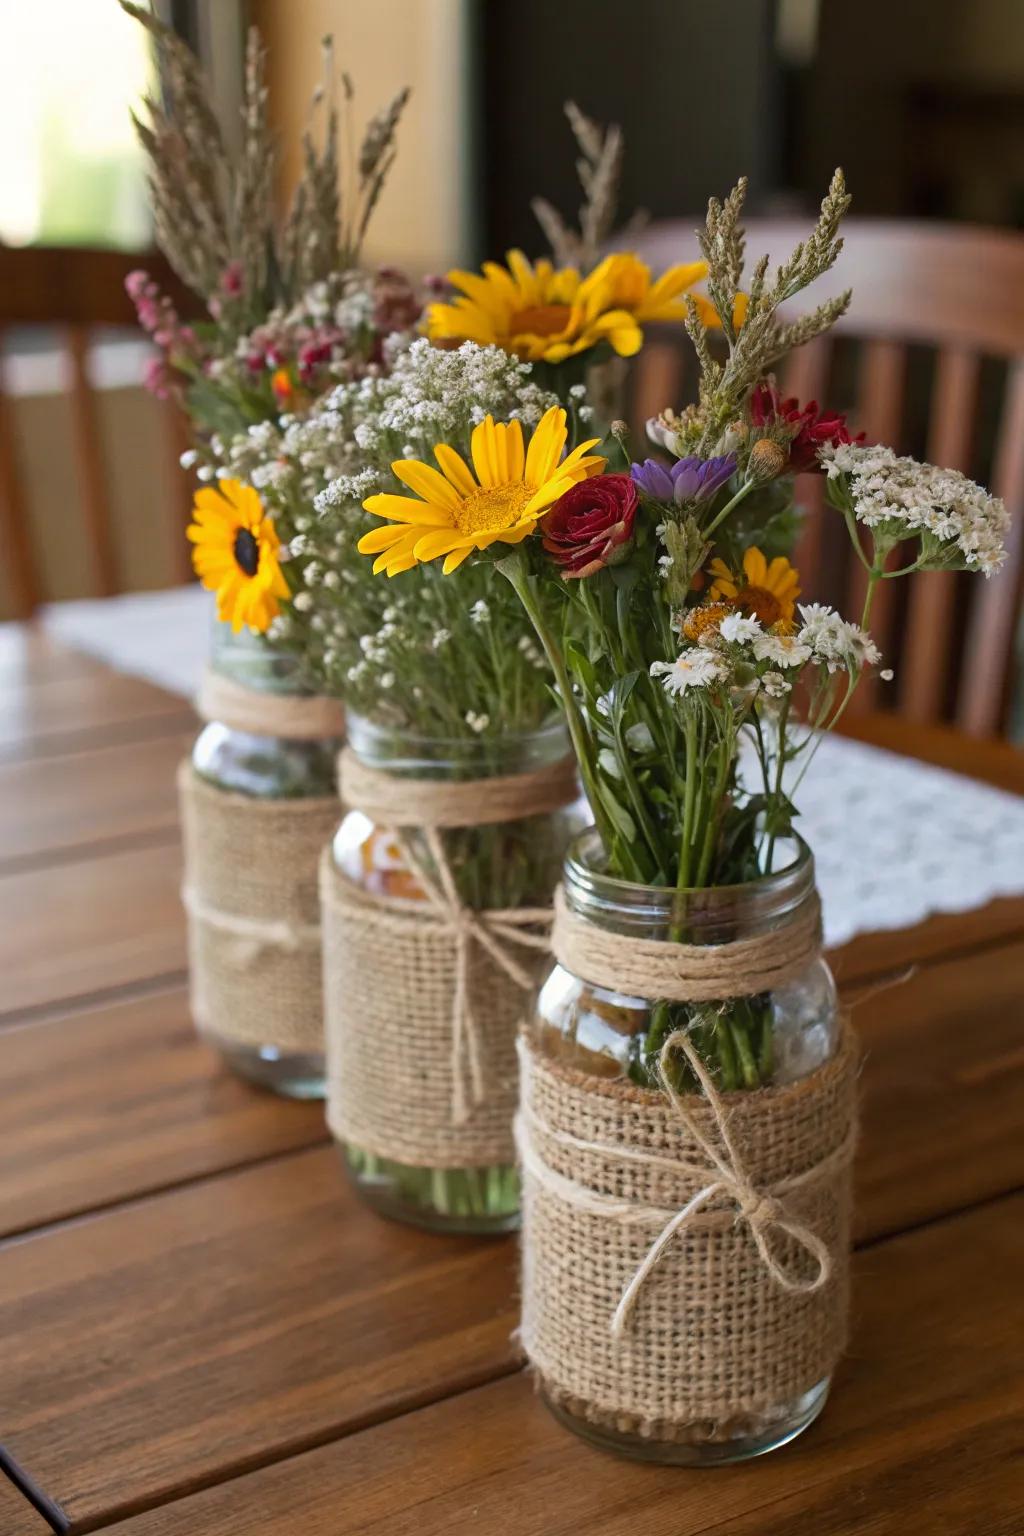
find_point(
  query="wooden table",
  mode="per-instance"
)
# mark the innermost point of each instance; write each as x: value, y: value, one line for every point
x: 204, y: 1334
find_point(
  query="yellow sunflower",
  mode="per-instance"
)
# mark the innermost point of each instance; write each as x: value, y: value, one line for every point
x: 546, y: 315
x: 235, y: 554
x: 765, y: 592
x: 500, y: 500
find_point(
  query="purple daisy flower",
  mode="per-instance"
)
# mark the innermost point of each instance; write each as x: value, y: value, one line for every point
x: 685, y: 482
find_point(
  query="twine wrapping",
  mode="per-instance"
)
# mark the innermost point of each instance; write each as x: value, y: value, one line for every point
x: 292, y: 716
x: 686, y: 973
x: 250, y: 893
x: 685, y: 1256
x: 423, y: 998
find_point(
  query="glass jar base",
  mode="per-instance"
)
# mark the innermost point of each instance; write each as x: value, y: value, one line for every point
x: 292, y: 1074
x: 482, y: 1202
x: 706, y: 1445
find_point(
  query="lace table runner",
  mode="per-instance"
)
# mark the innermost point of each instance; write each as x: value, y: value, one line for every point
x: 894, y: 839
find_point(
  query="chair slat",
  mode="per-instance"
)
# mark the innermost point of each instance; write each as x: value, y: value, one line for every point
x: 21, y: 576
x: 181, y: 482
x: 879, y: 414
x: 89, y: 462
x: 988, y: 651
x: 657, y: 383
x: 805, y: 374
x: 931, y: 598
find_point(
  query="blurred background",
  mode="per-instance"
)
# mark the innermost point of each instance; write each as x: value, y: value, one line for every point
x: 922, y: 102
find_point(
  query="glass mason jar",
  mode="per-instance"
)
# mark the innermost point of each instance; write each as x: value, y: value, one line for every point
x: 494, y: 866
x: 769, y: 1040
x: 266, y: 767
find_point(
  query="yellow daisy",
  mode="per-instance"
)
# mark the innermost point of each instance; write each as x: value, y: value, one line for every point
x: 235, y: 554
x: 765, y: 592
x: 546, y: 315
x: 500, y: 500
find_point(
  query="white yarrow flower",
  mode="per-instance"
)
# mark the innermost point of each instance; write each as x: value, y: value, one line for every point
x: 691, y: 669
x: 783, y: 650
x: 738, y: 630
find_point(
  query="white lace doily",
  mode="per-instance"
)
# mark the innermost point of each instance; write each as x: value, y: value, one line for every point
x: 894, y: 840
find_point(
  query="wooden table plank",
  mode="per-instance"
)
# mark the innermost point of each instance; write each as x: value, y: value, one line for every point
x: 119, y: 1101
x: 123, y: 1101
x: 208, y: 1330
x: 29, y: 654
x: 215, y: 1327
x: 90, y: 926
x: 62, y: 805
x: 926, y: 1398
x: 66, y: 714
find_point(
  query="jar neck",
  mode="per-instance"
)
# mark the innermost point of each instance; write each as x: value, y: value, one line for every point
x: 444, y: 757
x: 256, y: 663
x: 716, y: 915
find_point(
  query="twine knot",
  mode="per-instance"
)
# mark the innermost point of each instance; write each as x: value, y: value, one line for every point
x: 763, y: 1213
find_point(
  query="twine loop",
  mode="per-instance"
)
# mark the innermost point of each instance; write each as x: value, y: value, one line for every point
x: 761, y: 1210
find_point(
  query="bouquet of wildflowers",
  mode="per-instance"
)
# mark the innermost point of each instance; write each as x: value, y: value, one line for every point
x: 288, y: 308
x: 694, y: 683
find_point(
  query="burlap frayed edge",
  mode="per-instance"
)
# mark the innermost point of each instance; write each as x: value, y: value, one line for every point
x: 654, y: 1100
x: 704, y: 1431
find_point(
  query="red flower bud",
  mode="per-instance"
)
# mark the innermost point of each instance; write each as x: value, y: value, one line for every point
x: 591, y: 526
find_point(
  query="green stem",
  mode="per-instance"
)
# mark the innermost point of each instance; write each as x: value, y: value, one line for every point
x: 511, y: 567
x: 874, y: 577
x: 744, y: 490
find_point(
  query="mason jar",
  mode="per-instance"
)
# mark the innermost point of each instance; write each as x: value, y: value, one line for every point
x: 279, y: 769
x: 494, y: 867
x: 776, y: 1038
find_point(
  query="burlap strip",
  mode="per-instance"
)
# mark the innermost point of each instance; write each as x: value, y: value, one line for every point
x: 685, y: 1258
x: 292, y: 716
x: 418, y: 1071
x: 405, y: 980
x: 250, y: 893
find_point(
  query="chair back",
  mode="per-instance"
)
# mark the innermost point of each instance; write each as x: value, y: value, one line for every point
x: 72, y: 292
x: 930, y: 359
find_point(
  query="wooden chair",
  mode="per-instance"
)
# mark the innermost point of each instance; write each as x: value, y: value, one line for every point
x: 937, y: 321
x: 73, y: 291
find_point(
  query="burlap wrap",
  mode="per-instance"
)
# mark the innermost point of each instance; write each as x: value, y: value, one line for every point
x: 423, y: 999
x: 685, y: 1256
x: 253, y: 913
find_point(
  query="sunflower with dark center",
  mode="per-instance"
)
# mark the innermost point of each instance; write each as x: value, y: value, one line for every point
x: 234, y: 553
x: 762, y: 590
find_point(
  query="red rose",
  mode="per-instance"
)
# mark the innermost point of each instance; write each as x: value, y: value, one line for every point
x: 813, y: 428
x: 591, y: 525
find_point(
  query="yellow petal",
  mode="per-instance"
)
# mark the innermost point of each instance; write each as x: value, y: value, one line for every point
x: 406, y: 509
x: 439, y: 542
x: 546, y: 446
x: 455, y: 469
x: 426, y: 482
x: 455, y: 559
x: 482, y: 449
x: 755, y: 567
x: 380, y: 538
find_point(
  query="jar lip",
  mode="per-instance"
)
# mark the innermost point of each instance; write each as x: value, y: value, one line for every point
x: 580, y: 870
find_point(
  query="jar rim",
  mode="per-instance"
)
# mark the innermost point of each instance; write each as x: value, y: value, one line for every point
x: 374, y: 732
x: 771, y: 895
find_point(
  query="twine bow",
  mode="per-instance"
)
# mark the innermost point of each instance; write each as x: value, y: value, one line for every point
x: 761, y: 1211
x: 495, y: 931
